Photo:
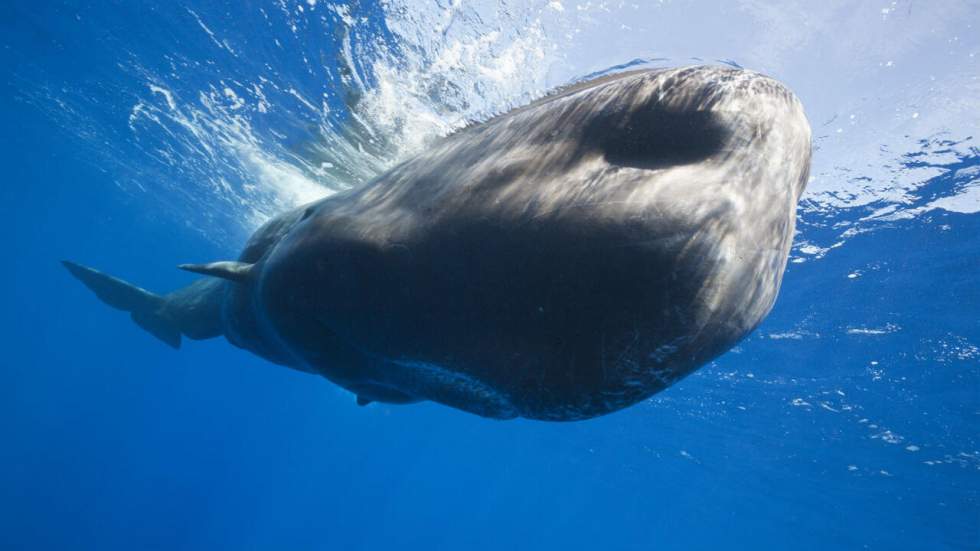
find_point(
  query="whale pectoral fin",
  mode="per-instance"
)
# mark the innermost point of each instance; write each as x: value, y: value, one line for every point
x: 225, y: 269
x: 146, y: 308
x: 362, y: 401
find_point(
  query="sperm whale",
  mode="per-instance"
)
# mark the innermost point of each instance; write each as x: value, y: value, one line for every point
x: 558, y: 262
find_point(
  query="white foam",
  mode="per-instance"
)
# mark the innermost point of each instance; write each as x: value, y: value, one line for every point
x: 886, y: 329
x: 223, y: 44
x: 966, y: 201
x: 222, y: 143
x: 788, y: 335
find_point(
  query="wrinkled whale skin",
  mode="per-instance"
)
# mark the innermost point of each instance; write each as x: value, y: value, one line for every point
x: 559, y: 262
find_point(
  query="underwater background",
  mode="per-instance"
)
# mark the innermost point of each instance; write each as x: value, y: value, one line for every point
x: 140, y: 135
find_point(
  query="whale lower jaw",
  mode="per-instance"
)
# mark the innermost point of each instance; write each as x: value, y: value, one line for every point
x: 453, y: 388
x: 415, y: 381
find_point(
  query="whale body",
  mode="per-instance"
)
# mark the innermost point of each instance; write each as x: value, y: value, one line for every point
x: 561, y: 261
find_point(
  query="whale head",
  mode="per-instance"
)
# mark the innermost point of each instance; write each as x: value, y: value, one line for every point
x: 566, y: 259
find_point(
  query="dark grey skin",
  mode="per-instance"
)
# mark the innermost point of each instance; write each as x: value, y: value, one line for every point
x: 559, y: 262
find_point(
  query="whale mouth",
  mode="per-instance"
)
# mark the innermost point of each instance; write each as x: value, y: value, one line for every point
x: 656, y: 137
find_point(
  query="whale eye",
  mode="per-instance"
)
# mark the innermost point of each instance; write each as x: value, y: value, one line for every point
x: 655, y: 137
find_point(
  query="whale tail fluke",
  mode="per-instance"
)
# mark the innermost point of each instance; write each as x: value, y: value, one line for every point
x: 147, y: 309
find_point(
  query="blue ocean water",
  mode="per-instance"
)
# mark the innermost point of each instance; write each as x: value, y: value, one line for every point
x: 140, y: 135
